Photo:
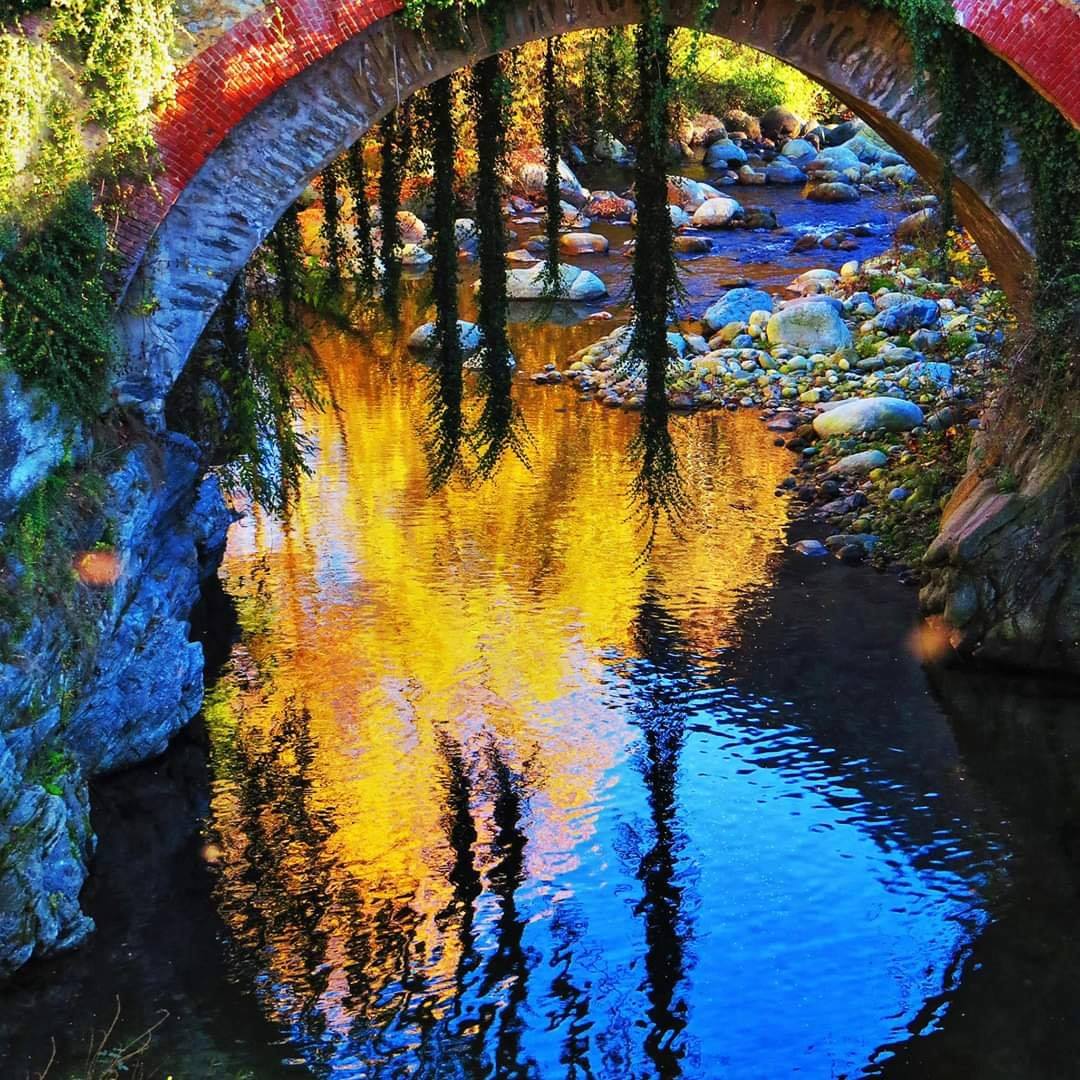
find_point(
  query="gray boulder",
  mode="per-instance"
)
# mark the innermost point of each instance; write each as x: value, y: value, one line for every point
x: 799, y: 151
x: 907, y: 316
x: 859, y: 464
x: 574, y: 284
x: 716, y: 213
x: 422, y: 338
x: 868, y: 414
x: 736, y: 306
x: 780, y: 123
x: 784, y: 171
x: 810, y: 327
x: 723, y: 154
x: 839, y: 157
x: 833, y: 193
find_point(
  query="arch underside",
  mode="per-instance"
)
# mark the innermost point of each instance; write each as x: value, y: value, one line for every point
x: 264, y: 163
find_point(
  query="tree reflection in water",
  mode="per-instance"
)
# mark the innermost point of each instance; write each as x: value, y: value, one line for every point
x: 659, y: 709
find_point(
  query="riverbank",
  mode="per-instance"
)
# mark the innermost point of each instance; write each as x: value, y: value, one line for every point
x: 874, y: 377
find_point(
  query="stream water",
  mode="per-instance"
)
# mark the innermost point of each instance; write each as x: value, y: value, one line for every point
x: 481, y: 791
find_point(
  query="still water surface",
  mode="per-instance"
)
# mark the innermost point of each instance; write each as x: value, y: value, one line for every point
x: 491, y: 795
x: 487, y: 800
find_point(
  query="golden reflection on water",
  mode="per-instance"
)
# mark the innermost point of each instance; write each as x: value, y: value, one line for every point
x: 400, y: 648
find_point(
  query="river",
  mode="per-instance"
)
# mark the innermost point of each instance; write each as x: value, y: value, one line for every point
x: 482, y: 789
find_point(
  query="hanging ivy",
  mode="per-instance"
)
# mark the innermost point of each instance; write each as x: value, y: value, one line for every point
x: 332, y: 231
x: 500, y: 425
x: 982, y: 99
x: 127, y: 67
x: 288, y: 253
x: 658, y: 485
x: 611, y: 66
x: 395, y: 148
x: 366, y: 275
x: 257, y: 357
x: 591, y: 94
x: 55, y: 313
x: 552, y: 273
x: 446, y: 420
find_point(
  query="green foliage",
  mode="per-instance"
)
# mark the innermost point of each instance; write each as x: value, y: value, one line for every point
x: 127, y: 66
x: 658, y: 485
x: 55, y: 312
x: 288, y: 261
x: 49, y: 768
x: 332, y: 177
x: 395, y: 149
x: 356, y: 173
x: 618, y: 77
x: 25, y: 539
x: 552, y: 272
x: 447, y: 20
x: 446, y: 422
x: 500, y: 425
x: 715, y: 75
x: 36, y: 550
x: 27, y: 86
x: 268, y: 375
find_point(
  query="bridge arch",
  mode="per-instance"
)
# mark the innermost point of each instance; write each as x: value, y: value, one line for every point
x: 267, y: 107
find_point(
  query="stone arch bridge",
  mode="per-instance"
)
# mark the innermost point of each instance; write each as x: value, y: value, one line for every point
x: 282, y: 92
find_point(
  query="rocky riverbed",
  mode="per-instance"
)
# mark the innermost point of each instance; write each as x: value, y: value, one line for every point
x: 873, y: 371
x: 873, y: 377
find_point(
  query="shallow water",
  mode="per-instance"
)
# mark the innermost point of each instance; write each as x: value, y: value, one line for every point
x: 486, y: 792
x: 761, y: 256
x: 483, y: 791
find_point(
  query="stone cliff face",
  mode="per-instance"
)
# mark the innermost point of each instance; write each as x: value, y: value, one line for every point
x: 1006, y: 564
x: 79, y: 701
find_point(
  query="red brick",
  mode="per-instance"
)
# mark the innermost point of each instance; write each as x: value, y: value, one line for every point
x: 219, y: 87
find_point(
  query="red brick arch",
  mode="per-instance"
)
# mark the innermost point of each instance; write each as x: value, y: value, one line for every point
x: 184, y: 240
x: 220, y: 86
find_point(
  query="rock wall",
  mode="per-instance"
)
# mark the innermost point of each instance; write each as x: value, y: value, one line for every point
x: 1005, y: 566
x: 80, y: 700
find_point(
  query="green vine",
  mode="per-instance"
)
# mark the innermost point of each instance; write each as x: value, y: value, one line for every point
x: 56, y: 315
x: 366, y: 277
x: 127, y: 66
x: 27, y: 86
x: 331, y: 227
x: 658, y: 484
x: 263, y: 374
x: 446, y: 422
x: 288, y: 255
x: 552, y: 272
x: 395, y: 150
x: 501, y: 425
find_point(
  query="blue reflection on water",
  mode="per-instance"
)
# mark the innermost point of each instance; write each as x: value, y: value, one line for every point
x: 749, y: 904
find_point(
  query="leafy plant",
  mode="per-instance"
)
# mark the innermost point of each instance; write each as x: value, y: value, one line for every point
x: 500, y: 425
x: 395, y: 150
x: 446, y: 421
x: 55, y: 311
x: 331, y: 224
x: 127, y: 66
x: 27, y: 86
x: 658, y: 484
x: 552, y: 271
